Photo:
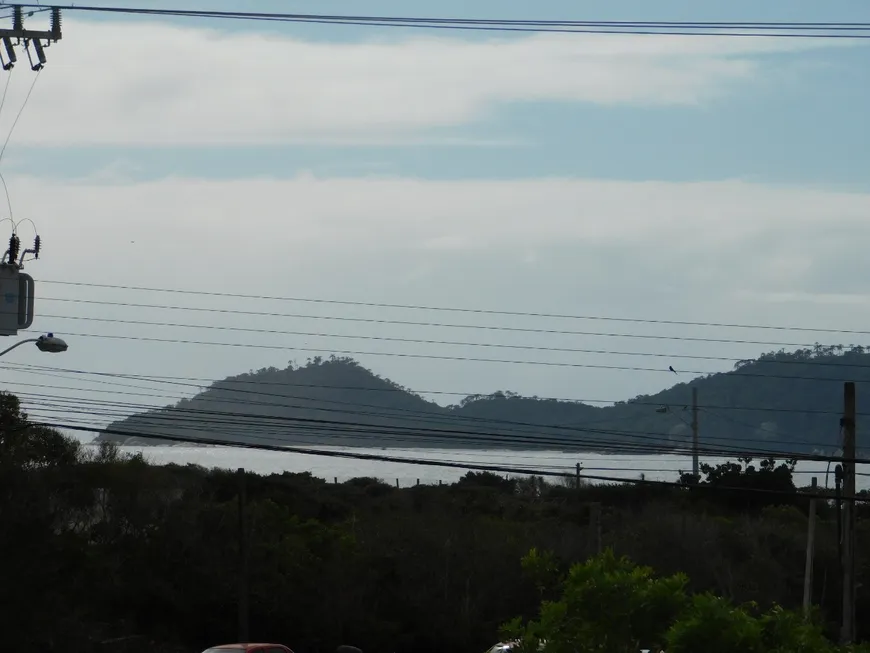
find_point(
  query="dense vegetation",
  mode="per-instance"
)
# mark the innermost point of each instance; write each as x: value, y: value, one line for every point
x: 611, y: 605
x: 102, y: 548
x: 788, y: 402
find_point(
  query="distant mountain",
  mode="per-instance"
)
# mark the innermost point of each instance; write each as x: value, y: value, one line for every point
x: 780, y: 402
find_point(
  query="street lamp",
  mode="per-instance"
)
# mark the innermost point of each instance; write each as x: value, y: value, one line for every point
x: 47, y: 343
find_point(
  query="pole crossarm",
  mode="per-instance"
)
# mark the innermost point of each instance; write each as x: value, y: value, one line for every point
x: 32, y: 34
x: 38, y: 39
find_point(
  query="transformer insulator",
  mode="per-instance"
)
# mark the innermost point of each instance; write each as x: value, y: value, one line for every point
x: 14, y: 248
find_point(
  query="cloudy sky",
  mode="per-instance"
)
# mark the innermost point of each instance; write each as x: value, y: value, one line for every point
x: 648, y: 177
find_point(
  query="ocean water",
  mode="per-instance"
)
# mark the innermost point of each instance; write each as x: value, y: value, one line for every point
x: 661, y: 468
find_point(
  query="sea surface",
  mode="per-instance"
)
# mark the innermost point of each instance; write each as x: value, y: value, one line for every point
x: 661, y: 468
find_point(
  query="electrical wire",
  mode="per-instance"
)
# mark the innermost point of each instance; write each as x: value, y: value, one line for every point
x: 416, y: 415
x: 430, y: 416
x: 235, y: 425
x: 20, y: 112
x: 454, y: 309
x: 384, y: 321
x: 201, y: 421
x: 11, y: 131
x: 537, y: 441
x: 440, y: 463
x: 2, y: 178
x: 472, y: 359
x: 770, y: 29
x: 214, y: 327
x: 411, y: 340
x: 203, y: 383
x: 625, y: 440
x: 533, y: 438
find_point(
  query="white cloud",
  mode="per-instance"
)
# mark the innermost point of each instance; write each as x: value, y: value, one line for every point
x: 157, y: 84
x: 733, y: 231
x: 650, y: 250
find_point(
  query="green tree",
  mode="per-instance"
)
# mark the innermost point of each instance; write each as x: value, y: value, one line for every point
x: 608, y: 604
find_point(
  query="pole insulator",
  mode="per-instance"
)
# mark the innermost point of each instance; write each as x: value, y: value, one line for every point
x: 56, y: 22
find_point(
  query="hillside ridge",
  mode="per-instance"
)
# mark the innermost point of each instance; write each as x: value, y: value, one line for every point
x: 780, y: 402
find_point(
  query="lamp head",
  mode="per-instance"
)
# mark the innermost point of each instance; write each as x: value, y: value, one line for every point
x: 49, y: 343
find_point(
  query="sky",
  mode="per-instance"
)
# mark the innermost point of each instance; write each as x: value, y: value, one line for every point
x: 673, y: 178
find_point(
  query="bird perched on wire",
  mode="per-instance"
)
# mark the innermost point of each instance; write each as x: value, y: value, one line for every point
x: 671, y: 368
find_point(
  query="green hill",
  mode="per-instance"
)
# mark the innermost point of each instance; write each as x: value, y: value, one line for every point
x: 780, y: 402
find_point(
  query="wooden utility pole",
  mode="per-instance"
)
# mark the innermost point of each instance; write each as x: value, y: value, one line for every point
x: 696, y: 472
x: 577, y: 478
x: 847, y: 634
x: 811, y: 550
x: 243, y: 557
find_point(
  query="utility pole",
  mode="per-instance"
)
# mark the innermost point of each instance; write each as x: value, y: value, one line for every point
x: 577, y: 478
x: 243, y: 557
x: 695, y: 466
x: 39, y: 39
x: 847, y: 634
x: 811, y: 549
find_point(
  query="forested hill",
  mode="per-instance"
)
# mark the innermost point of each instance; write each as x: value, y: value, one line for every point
x: 783, y: 401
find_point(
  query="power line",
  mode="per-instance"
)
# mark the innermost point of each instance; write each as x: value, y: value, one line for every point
x: 341, y: 318
x: 663, y: 442
x: 660, y: 441
x: 472, y: 359
x: 454, y: 343
x: 730, y: 359
x: 2, y: 178
x: 200, y: 420
x: 768, y: 29
x: 431, y: 415
x: 649, y: 442
x: 19, y: 114
x: 204, y: 383
x: 565, y: 437
x: 419, y: 416
x: 453, y: 309
x: 441, y: 463
x: 610, y: 444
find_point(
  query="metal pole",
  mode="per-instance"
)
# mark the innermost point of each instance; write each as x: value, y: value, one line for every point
x: 847, y: 634
x: 243, y: 558
x: 811, y: 547
x: 695, y: 466
x: 18, y: 344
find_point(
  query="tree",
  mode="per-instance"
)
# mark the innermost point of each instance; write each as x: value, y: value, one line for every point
x: 610, y: 605
x: 25, y: 446
x: 743, y: 485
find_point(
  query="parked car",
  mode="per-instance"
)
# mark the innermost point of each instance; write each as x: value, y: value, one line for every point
x: 248, y: 648
x: 507, y: 647
x: 502, y: 647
